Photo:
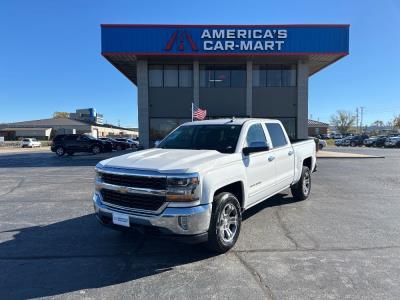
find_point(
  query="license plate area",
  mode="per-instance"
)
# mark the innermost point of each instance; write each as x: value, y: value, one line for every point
x: 120, y: 219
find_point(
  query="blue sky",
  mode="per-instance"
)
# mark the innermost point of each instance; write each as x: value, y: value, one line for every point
x: 50, y: 53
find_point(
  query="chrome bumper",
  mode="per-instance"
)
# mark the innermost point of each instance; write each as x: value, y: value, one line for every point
x: 173, y: 220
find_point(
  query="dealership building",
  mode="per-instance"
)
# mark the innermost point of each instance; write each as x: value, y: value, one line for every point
x: 228, y: 70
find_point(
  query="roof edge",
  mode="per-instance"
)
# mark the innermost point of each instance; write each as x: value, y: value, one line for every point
x: 225, y: 25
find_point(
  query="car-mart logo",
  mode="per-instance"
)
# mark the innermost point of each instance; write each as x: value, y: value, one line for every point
x: 233, y: 40
x: 179, y: 37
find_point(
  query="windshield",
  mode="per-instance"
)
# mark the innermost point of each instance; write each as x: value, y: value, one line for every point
x: 222, y: 138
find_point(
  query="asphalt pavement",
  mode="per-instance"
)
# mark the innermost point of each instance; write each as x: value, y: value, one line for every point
x: 341, y: 243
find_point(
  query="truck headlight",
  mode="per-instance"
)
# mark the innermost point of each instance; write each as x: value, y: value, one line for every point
x: 183, y: 188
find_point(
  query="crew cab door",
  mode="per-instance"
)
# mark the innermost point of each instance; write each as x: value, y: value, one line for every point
x: 283, y: 154
x: 259, y: 168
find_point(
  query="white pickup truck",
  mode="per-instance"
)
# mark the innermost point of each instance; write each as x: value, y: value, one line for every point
x: 197, y: 182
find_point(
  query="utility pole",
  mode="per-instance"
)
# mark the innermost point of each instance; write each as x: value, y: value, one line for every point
x: 357, y: 120
x: 361, y: 122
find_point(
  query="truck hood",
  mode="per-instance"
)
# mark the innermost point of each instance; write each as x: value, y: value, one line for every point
x: 166, y: 160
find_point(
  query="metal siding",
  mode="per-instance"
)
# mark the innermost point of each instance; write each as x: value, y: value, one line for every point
x: 223, y: 102
x: 170, y: 102
x: 275, y: 102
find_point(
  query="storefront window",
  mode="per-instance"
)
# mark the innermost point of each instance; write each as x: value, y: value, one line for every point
x: 160, y: 127
x: 170, y: 76
x: 155, y: 75
x: 185, y: 75
x: 222, y: 76
x: 289, y: 76
x: 274, y: 76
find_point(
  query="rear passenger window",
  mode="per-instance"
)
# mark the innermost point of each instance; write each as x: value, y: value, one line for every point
x: 70, y: 138
x: 276, y: 133
x: 255, y: 136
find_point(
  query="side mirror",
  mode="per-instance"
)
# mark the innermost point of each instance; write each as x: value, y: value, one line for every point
x: 249, y: 150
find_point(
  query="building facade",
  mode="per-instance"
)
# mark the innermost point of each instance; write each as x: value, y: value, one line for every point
x: 46, y: 129
x: 316, y: 128
x: 229, y: 70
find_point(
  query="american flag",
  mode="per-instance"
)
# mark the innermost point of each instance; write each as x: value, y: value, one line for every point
x: 198, y: 113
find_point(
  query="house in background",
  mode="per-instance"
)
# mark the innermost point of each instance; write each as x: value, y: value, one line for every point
x: 315, y: 128
x: 46, y: 129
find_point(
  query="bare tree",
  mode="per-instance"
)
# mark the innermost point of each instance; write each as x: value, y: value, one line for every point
x: 396, y: 122
x: 343, y: 121
x: 378, y: 123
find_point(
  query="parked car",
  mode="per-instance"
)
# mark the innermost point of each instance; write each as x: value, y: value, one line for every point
x: 30, y: 143
x: 117, y: 145
x: 357, y: 140
x: 72, y: 143
x: 392, y: 142
x: 201, y: 177
x: 370, y: 141
x: 133, y: 144
x: 380, y: 141
x: 336, y: 136
x: 342, y: 142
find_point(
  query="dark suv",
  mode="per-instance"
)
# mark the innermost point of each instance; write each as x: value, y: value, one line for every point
x: 357, y: 140
x: 71, y: 143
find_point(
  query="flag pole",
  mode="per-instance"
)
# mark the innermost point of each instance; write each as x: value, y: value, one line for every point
x: 192, y: 111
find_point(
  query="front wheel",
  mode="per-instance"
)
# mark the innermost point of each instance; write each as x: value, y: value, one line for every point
x: 60, y: 151
x: 226, y: 220
x: 301, y: 190
x: 96, y: 149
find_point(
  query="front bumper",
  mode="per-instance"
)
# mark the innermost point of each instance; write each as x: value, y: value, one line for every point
x: 186, y: 222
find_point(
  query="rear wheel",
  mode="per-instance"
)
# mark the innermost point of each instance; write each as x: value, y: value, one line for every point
x: 301, y: 190
x: 353, y: 144
x: 96, y: 149
x: 60, y: 151
x: 225, y: 223
x: 119, y: 147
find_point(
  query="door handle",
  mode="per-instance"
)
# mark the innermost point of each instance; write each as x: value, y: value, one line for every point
x: 271, y: 158
x: 290, y: 152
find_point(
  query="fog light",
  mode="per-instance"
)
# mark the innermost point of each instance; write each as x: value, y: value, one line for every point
x: 183, y: 222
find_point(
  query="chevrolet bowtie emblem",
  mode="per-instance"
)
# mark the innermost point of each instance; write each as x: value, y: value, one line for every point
x: 122, y: 190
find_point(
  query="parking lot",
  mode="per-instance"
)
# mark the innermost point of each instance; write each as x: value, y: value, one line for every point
x: 343, y: 242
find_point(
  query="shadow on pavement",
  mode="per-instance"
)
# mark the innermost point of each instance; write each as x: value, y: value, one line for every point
x: 277, y: 200
x: 49, y: 159
x: 79, y: 254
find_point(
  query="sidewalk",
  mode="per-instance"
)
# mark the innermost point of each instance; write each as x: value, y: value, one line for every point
x: 7, y: 150
x: 331, y: 154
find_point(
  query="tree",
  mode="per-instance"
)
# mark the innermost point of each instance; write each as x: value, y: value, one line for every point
x: 378, y: 123
x: 343, y: 121
x: 396, y: 122
x: 60, y: 114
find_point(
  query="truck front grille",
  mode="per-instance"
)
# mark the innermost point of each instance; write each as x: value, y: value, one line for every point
x: 134, y: 201
x: 157, y: 183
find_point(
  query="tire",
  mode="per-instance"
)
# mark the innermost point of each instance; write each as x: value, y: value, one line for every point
x: 119, y: 147
x: 60, y: 151
x: 301, y: 190
x: 353, y: 144
x: 96, y: 149
x: 223, y: 235
x: 320, y: 147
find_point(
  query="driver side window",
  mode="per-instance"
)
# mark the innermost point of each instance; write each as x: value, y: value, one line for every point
x: 255, y: 136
